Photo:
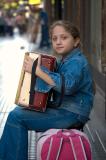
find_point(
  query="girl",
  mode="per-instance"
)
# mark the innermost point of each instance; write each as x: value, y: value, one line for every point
x: 77, y: 101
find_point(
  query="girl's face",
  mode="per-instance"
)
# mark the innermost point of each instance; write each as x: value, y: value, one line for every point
x: 62, y: 41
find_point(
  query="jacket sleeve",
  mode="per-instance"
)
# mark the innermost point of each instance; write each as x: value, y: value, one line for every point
x: 72, y: 75
x: 42, y: 86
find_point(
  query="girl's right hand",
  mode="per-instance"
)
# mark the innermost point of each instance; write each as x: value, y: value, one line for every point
x: 41, y: 74
x: 28, y: 62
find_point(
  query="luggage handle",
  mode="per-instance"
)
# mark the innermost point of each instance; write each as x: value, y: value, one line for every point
x: 61, y: 132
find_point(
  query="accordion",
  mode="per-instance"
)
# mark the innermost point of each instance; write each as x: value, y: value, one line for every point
x: 26, y: 96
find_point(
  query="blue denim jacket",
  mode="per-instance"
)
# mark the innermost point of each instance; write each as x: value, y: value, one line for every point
x: 78, y: 94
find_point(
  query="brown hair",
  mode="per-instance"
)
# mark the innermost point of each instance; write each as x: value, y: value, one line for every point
x: 69, y: 27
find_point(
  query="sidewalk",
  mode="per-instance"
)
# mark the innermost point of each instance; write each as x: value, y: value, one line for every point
x: 96, y: 127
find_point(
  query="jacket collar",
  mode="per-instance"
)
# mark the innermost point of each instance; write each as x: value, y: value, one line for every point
x: 74, y: 52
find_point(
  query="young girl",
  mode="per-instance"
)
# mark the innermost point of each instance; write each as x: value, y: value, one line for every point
x: 77, y: 101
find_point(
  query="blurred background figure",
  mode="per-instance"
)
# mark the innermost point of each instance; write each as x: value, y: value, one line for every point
x: 43, y: 20
x: 20, y: 22
x: 2, y: 24
x: 9, y: 24
x: 33, y: 28
x: 39, y: 31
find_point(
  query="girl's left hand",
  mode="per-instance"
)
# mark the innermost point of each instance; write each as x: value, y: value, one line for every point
x: 28, y: 62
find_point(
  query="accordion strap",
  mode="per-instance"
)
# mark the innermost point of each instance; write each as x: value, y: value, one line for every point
x: 33, y: 81
x: 62, y: 90
x: 55, y: 104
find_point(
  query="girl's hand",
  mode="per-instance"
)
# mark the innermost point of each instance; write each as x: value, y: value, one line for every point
x: 28, y: 62
x: 41, y: 74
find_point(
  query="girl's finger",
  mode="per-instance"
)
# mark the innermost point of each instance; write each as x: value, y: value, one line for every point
x: 39, y: 60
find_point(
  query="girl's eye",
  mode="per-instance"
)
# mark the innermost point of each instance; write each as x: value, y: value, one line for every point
x: 54, y: 39
x: 64, y: 37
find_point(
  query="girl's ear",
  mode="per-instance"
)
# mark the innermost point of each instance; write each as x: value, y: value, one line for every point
x: 77, y: 42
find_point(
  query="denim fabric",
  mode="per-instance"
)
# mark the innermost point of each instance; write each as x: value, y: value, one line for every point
x: 14, y: 141
x: 79, y: 95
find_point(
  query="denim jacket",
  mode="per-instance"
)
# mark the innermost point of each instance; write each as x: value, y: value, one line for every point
x: 78, y: 93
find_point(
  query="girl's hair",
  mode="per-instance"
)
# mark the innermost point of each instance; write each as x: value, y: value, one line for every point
x: 69, y: 27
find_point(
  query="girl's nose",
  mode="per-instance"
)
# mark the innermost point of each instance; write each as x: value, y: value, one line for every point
x: 58, y: 40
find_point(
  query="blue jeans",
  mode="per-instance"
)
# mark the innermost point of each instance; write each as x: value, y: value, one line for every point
x: 14, y: 140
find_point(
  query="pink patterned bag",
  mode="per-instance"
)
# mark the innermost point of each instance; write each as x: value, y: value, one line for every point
x: 59, y: 144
